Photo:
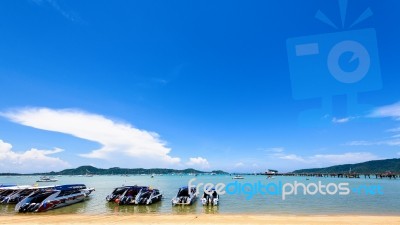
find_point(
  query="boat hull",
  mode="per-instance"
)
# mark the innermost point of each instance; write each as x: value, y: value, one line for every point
x: 52, y: 199
x: 58, y: 203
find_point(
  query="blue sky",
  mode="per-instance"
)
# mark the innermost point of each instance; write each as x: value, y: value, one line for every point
x: 202, y: 84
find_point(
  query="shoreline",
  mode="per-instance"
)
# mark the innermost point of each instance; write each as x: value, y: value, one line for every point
x: 123, y: 219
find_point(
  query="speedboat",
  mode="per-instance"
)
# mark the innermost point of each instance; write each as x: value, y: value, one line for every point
x: 125, y: 195
x: 6, y: 190
x: 20, y: 192
x: 185, y: 196
x: 54, y: 197
x: 147, y: 196
x: 210, y: 198
x: 14, y: 194
x: 237, y: 177
x: 46, y: 179
x: 7, y: 185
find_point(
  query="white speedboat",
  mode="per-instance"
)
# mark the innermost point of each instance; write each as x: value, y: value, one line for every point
x: 147, y: 196
x: 185, y: 196
x: 54, y: 197
x: 47, y: 179
x: 237, y: 177
x: 210, y: 198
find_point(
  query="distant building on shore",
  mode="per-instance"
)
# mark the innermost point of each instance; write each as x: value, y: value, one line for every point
x: 271, y: 172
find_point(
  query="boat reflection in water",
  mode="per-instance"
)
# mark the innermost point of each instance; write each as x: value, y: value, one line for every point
x: 210, y: 209
x: 115, y: 208
x: 185, y: 209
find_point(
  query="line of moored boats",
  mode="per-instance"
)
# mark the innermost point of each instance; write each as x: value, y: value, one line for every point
x: 43, y: 198
x: 143, y: 195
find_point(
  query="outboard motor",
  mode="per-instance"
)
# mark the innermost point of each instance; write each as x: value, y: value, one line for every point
x: 24, y: 207
x: 32, y: 207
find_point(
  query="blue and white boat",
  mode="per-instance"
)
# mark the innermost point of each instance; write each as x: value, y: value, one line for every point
x: 5, y: 190
x: 54, y: 197
x: 14, y: 194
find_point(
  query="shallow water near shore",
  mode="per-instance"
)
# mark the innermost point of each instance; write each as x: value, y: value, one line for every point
x: 363, y: 204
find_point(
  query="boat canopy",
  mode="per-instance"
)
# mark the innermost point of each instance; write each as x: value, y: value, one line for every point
x: 7, y: 185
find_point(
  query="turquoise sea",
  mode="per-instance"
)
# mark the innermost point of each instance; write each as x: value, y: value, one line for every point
x: 385, y: 203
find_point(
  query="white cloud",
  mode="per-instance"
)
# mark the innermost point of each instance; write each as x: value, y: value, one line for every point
x: 332, y: 159
x: 394, y: 130
x: 198, y: 162
x: 275, y: 149
x: 391, y: 142
x: 360, y: 143
x: 292, y: 157
x: 392, y: 111
x: 239, y: 164
x: 33, y: 160
x: 70, y: 15
x: 120, y: 142
x: 349, y: 157
x: 341, y: 120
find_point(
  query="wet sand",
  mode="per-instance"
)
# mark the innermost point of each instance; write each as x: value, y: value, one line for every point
x: 196, y: 219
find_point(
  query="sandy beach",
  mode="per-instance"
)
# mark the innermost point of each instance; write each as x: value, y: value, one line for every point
x: 196, y: 219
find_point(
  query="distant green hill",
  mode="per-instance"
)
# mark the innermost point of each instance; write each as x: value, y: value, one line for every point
x: 119, y: 171
x: 375, y: 166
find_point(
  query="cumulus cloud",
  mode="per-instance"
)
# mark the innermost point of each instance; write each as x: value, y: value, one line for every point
x: 33, y: 160
x: 120, y: 142
x: 198, y: 162
x: 392, y: 111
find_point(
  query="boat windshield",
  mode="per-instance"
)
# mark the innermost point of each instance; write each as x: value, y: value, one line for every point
x: 39, y: 197
x: 68, y: 192
x: 119, y: 191
x: 183, y: 193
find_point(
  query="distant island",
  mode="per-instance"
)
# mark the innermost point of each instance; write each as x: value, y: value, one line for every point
x: 82, y: 170
x: 369, y: 167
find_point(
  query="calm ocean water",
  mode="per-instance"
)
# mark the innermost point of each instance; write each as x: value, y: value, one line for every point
x: 385, y: 204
